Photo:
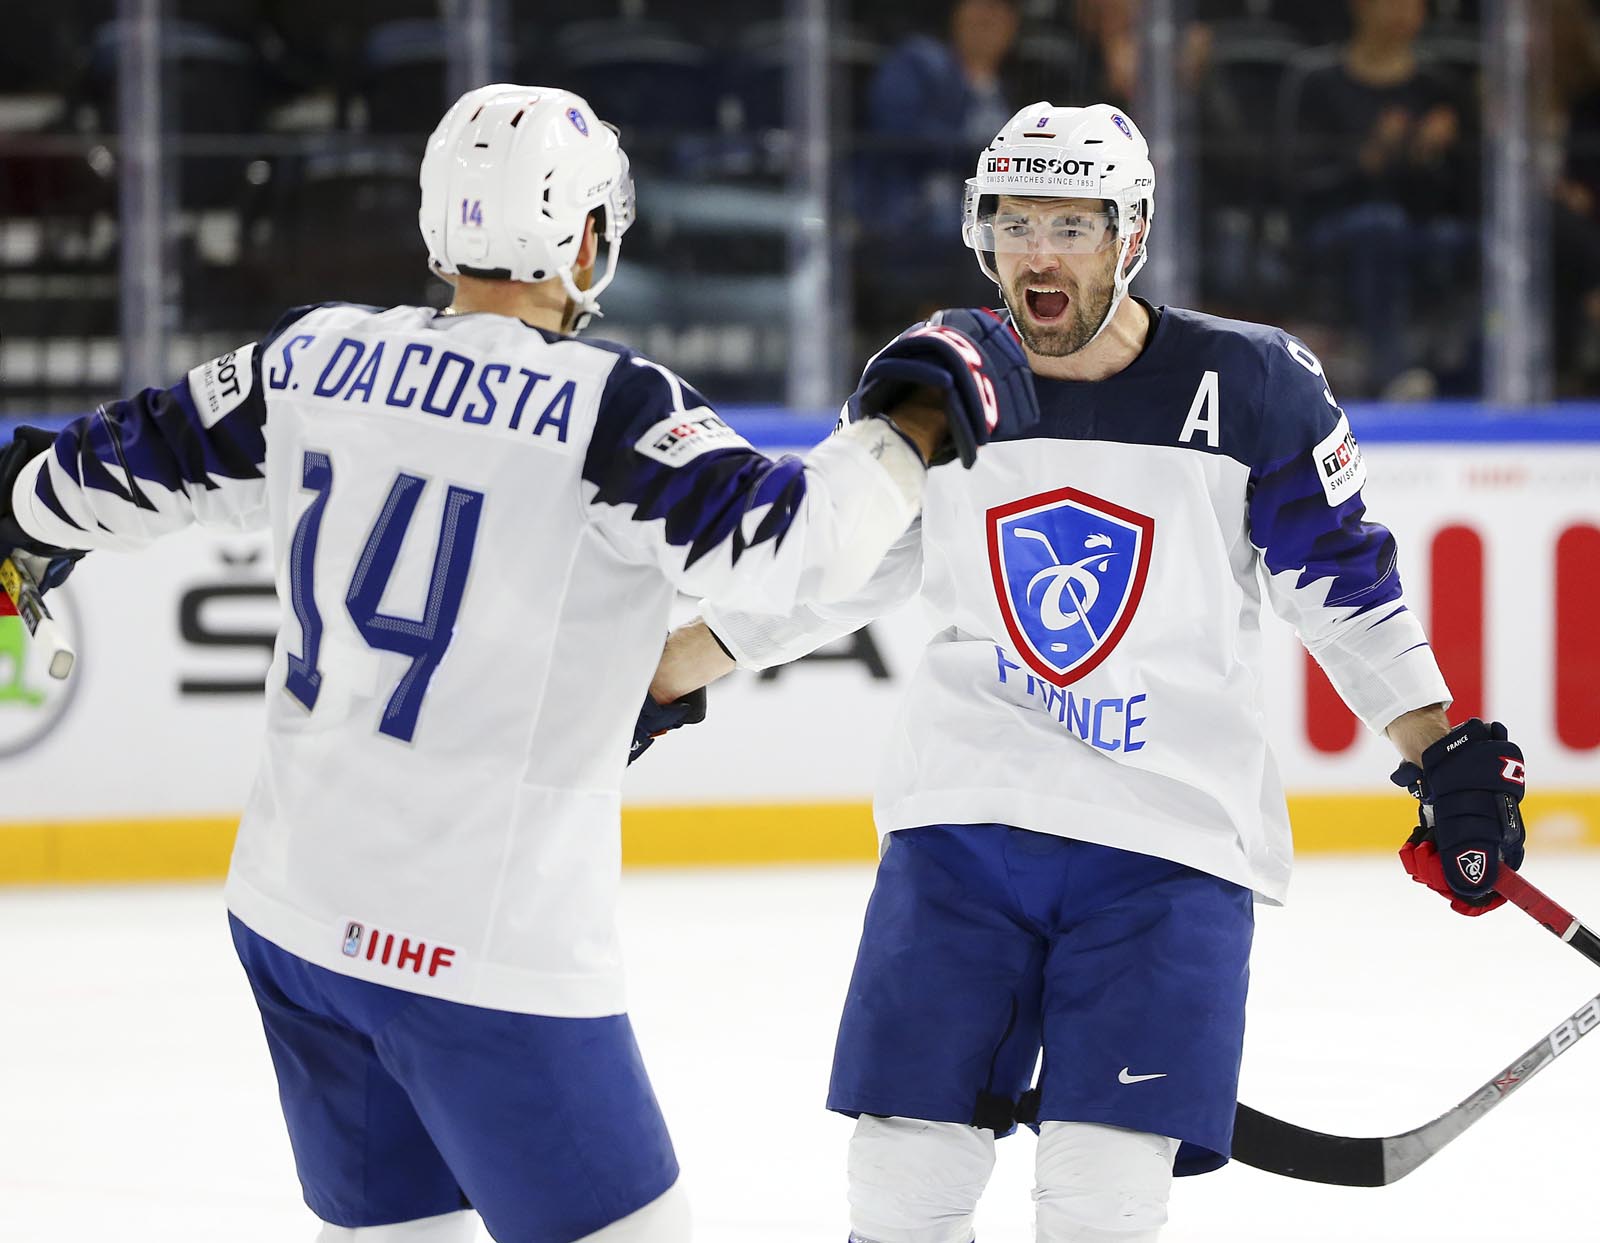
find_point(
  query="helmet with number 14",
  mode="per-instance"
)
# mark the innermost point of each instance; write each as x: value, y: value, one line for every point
x: 510, y: 181
x: 1058, y: 215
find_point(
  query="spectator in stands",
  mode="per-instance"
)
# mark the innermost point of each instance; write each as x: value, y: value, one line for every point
x: 1384, y: 182
x: 1110, y: 32
x: 931, y: 101
x: 1573, y: 117
x: 930, y: 104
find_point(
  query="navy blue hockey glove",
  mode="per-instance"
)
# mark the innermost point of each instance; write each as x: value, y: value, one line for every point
x: 975, y: 361
x: 1469, y: 787
x: 656, y: 719
x: 53, y: 564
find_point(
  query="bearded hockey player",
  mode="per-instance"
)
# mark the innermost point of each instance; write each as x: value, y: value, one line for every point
x: 1079, y: 805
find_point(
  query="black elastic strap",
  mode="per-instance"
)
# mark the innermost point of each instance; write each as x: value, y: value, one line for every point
x: 720, y: 643
x: 992, y: 1111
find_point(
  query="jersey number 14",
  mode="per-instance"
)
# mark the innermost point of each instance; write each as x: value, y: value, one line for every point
x: 423, y: 639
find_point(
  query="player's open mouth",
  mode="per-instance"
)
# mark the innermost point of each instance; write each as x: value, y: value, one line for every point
x: 1046, y: 305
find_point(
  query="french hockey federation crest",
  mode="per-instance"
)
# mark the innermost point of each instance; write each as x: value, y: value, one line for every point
x: 1474, y: 865
x: 1069, y: 569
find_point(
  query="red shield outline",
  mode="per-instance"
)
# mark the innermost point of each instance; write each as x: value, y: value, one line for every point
x: 1040, y: 500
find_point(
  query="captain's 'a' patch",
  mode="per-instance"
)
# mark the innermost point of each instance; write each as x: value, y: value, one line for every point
x: 1339, y: 463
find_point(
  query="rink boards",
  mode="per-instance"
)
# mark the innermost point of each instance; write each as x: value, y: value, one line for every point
x: 138, y: 765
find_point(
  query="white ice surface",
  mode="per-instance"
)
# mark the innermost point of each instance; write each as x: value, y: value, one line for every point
x: 137, y: 1104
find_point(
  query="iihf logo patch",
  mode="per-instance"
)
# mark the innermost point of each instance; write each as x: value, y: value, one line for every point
x: 1474, y: 865
x: 578, y: 122
x: 1069, y: 569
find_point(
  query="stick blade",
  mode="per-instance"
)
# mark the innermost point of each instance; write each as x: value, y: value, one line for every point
x: 1279, y: 1147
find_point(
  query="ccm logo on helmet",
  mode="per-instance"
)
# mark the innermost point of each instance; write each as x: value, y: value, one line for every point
x: 1040, y: 164
x: 974, y: 360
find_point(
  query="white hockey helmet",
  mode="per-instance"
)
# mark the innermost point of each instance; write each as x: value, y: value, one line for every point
x: 509, y: 178
x: 1046, y: 151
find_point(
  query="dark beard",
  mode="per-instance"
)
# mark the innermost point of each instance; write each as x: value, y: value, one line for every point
x: 1062, y: 339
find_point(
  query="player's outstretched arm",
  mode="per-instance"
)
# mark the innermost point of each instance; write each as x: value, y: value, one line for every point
x: 937, y: 385
x: 960, y: 361
x: 668, y: 481
x: 156, y: 462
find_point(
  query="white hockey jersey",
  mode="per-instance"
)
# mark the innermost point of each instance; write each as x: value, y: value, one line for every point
x: 479, y: 528
x: 1098, y: 587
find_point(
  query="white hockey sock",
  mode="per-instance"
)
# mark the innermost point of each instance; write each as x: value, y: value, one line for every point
x: 664, y: 1220
x: 446, y: 1228
x: 1101, y: 1184
x: 916, y: 1182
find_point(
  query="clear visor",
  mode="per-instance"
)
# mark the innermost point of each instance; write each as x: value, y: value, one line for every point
x: 620, y: 211
x: 1063, y: 230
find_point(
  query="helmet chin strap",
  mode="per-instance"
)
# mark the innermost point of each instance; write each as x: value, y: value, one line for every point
x: 1119, y: 291
x: 583, y: 298
x: 582, y: 306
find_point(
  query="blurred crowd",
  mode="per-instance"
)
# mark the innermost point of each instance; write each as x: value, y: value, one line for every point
x: 1336, y: 152
x: 1337, y: 157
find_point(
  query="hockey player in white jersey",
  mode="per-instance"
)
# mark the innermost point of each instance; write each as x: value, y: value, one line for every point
x: 1079, y: 800
x: 479, y: 524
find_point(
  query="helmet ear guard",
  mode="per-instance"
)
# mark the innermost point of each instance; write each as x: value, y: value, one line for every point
x: 511, y: 177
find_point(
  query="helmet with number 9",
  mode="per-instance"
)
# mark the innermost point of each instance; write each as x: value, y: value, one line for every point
x: 510, y: 177
x: 1047, y: 151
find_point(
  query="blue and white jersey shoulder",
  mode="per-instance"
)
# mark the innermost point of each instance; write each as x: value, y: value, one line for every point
x: 1258, y: 396
x: 154, y: 462
x: 664, y: 471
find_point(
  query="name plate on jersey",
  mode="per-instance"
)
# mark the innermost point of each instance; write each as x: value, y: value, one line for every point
x: 1069, y: 570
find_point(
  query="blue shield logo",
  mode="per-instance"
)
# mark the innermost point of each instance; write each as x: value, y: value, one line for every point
x: 1069, y: 570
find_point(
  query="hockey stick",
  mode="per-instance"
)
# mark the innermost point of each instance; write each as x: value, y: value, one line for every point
x: 1280, y: 1147
x: 24, y: 592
